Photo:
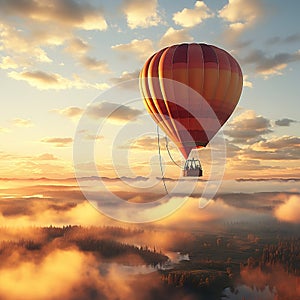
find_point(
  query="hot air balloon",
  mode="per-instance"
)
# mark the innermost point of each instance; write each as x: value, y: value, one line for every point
x: 190, y: 91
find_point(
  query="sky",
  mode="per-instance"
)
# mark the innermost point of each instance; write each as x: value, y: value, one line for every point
x: 66, y: 65
x: 66, y: 59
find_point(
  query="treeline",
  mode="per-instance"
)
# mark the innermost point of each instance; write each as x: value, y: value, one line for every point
x: 111, y: 249
x: 204, y: 281
x: 286, y: 253
x: 100, y: 240
x: 80, y: 231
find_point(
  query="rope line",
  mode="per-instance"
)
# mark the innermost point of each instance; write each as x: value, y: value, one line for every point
x: 160, y: 160
x: 167, y: 146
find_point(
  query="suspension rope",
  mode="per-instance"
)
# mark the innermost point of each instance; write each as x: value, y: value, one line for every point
x: 160, y: 160
x: 167, y: 146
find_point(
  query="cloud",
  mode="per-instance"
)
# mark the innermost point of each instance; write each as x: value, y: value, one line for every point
x: 94, y: 64
x: 141, y: 13
x: 113, y: 111
x: 127, y: 76
x: 246, y: 82
x: 17, y: 45
x: 266, y: 65
x: 149, y: 143
x: 70, y: 112
x: 292, y: 38
x: 245, y: 166
x: 289, y: 211
x: 279, y: 148
x: 72, y: 274
x: 191, y: 17
x: 13, y: 165
x: 69, y: 13
x: 173, y: 36
x: 58, y: 142
x: 45, y: 81
x: 268, y: 179
x: 248, y: 128
x: 145, y: 143
x: 225, y: 208
x: 8, y: 63
x: 239, y: 16
x: 3, y: 130
x: 77, y: 46
x: 279, y: 143
x: 22, y: 122
x: 41, y: 25
x: 141, y: 48
x: 284, y: 122
x: 42, y: 80
x: 46, y: 156
x: 88, y: 136
x: 241, y: 13
x: 56, y: 275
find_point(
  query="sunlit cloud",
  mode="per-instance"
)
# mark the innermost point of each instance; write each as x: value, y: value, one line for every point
x: 191, y: 17
x: 277, y: 143
x: 218, y: 211
x: 94, y: 64
x: 26, y: 42
x: 142, y: 48
x: 241, y: 13
x: 8, y: 63
x: 56, y: 275
x: 127, y: 76
x: 46, y: 156
x: 289, y: 211
x: 40, y: 165
x: 77, y: 46
x: 18, y: 45
x: 70, y: 13
x: 147, y: 143
x: 85, y: 134
x: 279, y: 148
x: 113, y: 112
x: 45, y: 81
x: 70, y: 112
x: 22, y: 122
x: 239, y: 16
x: 58, y: 142
x: 141, y: 13
x: 73, y: 274
x: 42, y: 80
x: 248, y: 127
x: 173, y: 36
x: 41, y: 168
x: 246, y: 82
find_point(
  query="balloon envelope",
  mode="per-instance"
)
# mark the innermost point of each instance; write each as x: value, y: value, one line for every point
x: 176, y: 80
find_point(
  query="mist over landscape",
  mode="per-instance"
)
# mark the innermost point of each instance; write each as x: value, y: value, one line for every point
x: 149, y: 150
x: 239, y: 244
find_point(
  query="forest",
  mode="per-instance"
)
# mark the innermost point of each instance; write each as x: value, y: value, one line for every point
x: 213, y: 262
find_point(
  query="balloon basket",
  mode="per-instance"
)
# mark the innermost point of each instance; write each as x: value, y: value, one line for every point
x: 192, y: 168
